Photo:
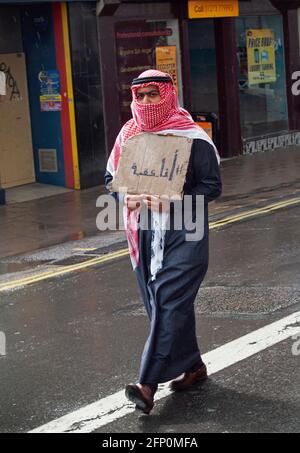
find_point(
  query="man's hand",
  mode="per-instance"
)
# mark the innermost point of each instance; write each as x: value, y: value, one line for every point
x: 156, y: 204
x: 133, y: 202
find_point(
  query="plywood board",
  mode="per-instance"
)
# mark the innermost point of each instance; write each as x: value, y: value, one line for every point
x: 16, y: 153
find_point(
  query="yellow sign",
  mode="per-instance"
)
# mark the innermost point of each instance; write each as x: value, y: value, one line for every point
x: 213, y: 8
x: 261, y: 56
x: 166, y: 61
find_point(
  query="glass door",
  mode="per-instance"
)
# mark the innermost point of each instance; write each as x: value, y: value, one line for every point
x: 204, y: 91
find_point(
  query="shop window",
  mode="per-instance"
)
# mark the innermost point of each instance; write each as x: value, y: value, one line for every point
x: 143, y: 45
x: 87, y: 92
x: 261, y: 79
x: 204, y: 91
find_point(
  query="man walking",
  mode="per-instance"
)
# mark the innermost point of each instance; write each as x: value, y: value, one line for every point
x: 169, y: 271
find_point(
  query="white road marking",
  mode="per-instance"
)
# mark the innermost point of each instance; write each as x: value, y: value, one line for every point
x: 113, y: 407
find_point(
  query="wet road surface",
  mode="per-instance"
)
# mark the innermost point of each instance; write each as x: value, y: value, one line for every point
x: 75, y: 339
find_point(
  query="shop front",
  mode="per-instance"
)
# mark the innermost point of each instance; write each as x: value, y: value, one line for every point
x: 51, y: 128
x: 269, y: 111
x: 232, y: 61
x: 135, y: 38
x: 245, y: 75
x: 37, y: 128
x: 69, y: 66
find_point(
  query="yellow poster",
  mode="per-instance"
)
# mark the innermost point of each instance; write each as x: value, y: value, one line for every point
x: 213, y: 8
x: 261, y: 56
x: 166, y: 61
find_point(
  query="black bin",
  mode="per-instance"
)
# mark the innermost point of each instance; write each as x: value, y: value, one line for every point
x: 209, y: 122
x: 2, y: 196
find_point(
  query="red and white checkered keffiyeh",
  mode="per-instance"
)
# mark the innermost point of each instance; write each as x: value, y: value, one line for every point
x: 165, y: 117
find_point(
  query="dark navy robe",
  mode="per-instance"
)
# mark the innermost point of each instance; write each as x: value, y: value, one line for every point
x: 171, y: 347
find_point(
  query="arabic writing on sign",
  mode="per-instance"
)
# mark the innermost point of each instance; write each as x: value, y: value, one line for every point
x: 162, y: 172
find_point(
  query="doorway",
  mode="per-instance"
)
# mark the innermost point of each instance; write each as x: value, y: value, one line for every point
x: 204, y: 90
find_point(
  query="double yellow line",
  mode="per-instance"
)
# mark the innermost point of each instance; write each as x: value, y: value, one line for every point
x: 62, y: 271
x: 254, y: 212
x: 14, y: 284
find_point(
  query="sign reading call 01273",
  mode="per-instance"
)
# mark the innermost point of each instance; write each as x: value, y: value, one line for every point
x: 213, y: 8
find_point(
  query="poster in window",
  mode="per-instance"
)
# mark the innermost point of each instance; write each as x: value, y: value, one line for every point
x: 261, y: 56
x: 50, y: 97
x: 166, y: 61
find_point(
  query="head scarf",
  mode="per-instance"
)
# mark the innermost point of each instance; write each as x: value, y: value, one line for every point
x: 165, y: 117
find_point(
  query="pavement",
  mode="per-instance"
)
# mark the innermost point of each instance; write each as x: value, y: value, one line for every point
x: 69, y: 216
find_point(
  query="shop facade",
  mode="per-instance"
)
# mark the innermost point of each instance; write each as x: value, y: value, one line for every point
x: 69, y: 67
x: 233, y: 72
x: 51, y: 127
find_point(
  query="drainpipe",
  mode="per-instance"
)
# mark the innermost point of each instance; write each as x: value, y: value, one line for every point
x: 2, y: 94
x: 2, y: 195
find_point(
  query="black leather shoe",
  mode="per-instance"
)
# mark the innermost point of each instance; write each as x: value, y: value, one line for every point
x: 189, y: 378
x: 141, y: 395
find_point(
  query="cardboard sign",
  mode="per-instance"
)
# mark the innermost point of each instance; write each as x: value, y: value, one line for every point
x: 153, y: 164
